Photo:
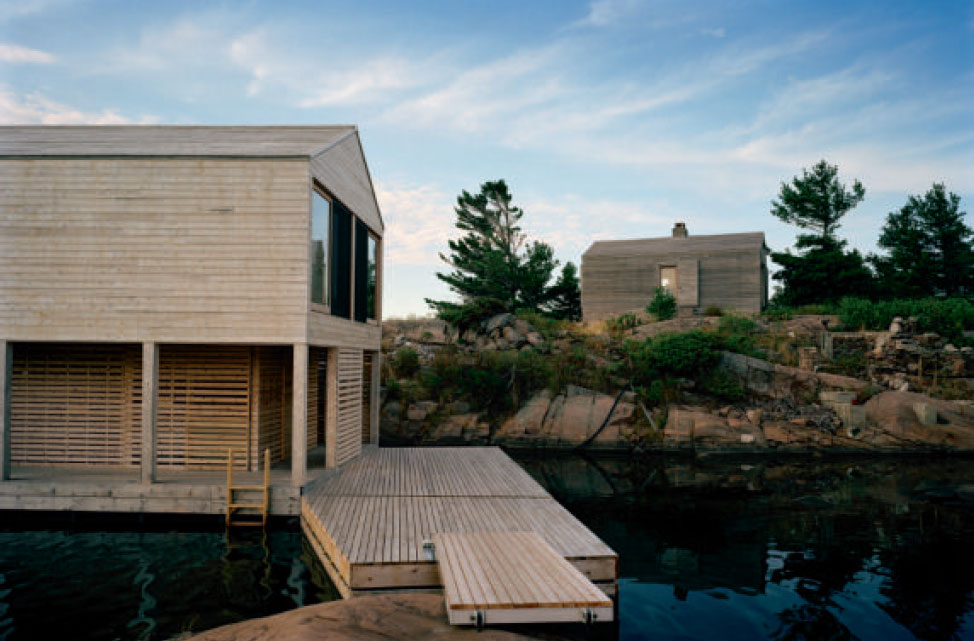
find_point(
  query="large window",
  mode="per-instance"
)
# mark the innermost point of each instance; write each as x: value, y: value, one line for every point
x: 341, y: 261
x: 320, y: 231
x: 361, y: 271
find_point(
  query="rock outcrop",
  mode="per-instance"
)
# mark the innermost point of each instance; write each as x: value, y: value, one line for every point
x: 568, y: 420
x: 364, y: 618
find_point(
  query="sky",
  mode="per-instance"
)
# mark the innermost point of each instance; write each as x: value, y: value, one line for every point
x: 609, y: 119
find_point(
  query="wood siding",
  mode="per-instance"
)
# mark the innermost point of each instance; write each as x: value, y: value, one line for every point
x: 76, y: 405
x: 349, y: 411
x: 187, y: 250
x: 615, y: 284
x: 342, y: 170
x: 203, y: 406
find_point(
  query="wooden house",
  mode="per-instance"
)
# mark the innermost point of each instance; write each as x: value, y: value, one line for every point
x: 169, y: 292
x: 728, y: 271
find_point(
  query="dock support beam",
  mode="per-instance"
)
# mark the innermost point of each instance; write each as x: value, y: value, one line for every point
x: 6, y: 372
x: 150, y: 394
x: 299, y: 415
x: 331, y: 408
x: 374, y: 400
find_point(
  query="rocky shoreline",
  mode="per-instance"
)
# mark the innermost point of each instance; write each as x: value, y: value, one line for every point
x: 806, y: 406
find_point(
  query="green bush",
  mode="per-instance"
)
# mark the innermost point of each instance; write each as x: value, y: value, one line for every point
x: 712, y: 311
x: 723, y: 385
x: 621, y: 323
x: 948, y: 317
x: 736, y: 334
x: 545, y: 325
x: 405, y: 362
x: 663, y: 305
x: 688, y: 354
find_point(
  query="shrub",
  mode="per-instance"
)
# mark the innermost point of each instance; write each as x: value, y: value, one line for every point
x: 663, y: 305
x: 723, y: 385
x: 621, y: 323
x: 712, y: 311
x: 688, y: 354
x: 948, y: 317
x: 735, y: 333
x: 545, y: 325
x: 405, y: 362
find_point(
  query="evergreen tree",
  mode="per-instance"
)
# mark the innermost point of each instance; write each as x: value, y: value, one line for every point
x: 494, y: 269
x: 929, y: 248
x: 566, y: 295
x: 822, y: 269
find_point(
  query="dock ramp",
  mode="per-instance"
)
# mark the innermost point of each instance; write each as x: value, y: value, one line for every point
x: 513, y: 577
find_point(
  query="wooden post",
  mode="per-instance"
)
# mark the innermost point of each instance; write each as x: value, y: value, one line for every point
x: 6, y: 373
x: 331, y: 408
x: 150, y: 393
x: 374, y: 400
x: 299, y: 415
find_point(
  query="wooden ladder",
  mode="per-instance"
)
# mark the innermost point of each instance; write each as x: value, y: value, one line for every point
x: 235, y: 503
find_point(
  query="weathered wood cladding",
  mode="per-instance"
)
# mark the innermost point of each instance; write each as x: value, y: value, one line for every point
x: 80, y: 405
x: 348, y: 442
x: 342, y: 170
x: 169, y: 250
x: 615, y: 283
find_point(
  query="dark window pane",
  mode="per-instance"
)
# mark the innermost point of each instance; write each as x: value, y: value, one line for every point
x: 373, y: 275
x: 341, y: 261
x: 320, y: 224
x: 361, y: 270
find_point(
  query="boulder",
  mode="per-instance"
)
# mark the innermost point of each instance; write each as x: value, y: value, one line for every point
x: 529, y: 419
x: 689, y: 426
x: 364, y: 618
x: 416, y: 413
x: 893, y: 413
x: 499, y: 321
x: 454, y: 428
x: 534, y: 339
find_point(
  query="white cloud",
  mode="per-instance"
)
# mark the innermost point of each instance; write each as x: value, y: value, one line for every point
x: 606, y: 12
x: 419, y: 222
x: 717, y: 32
x: 15, y: 54
x: 35, y: 108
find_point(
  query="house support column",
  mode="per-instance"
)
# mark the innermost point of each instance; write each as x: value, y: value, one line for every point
x: 150, y: 396
x: 299, y: 415
x: 331, y: 408
x: 6, y: 371
x: 374, y: 398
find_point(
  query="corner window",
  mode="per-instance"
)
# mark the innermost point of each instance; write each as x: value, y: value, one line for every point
x: 373, y: 283
x: 320, y: 229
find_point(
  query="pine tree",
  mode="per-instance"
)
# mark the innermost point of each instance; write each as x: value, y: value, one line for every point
x: 929, y: 247
x: 494, y: 269
x: 821, y: 270
x: 566, y: 295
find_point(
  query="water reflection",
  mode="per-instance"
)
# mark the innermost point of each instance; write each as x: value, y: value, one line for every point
x: 72, y: 581
x: 794, y: 549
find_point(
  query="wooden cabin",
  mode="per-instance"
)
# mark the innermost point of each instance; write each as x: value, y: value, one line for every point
x: 169, y: 292
x: 728, y: 271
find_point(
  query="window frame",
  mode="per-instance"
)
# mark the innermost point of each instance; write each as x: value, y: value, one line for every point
x: 324, y: 308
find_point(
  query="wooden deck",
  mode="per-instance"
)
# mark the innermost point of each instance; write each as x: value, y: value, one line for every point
x: 368, y: 522
x: 513, y: 577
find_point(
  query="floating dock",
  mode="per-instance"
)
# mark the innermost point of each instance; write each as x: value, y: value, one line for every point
x: 374, y: 523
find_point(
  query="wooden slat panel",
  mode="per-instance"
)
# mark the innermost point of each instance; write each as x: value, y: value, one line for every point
x: 367, y: 361
x: 349, y: 411
x: 274, y: 402
x: 203, y: 406
x: 76, y: 405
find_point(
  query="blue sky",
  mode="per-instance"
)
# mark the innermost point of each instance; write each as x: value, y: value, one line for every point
x: 608, y: 119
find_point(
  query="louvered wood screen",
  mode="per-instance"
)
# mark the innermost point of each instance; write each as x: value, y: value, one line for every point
x: 349, y: 414
x: 203, y: 406
x: 274, y: 401
x: 367, y: 362
x: 75, y: 405
x: 317, y: 358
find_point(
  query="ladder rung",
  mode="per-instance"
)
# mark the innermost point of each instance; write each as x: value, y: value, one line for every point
x: 246, y: 523
x: 248, y: 487
x: 255, y: 506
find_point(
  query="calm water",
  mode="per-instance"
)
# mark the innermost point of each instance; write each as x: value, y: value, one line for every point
x: 854, y: 549
x: 86, y: 581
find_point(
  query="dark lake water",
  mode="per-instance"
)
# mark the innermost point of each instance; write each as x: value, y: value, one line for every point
x: 719, y: 549
x: 796, y: 549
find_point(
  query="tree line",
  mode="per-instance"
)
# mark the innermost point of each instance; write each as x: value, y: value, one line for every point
x: 927, y: 247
